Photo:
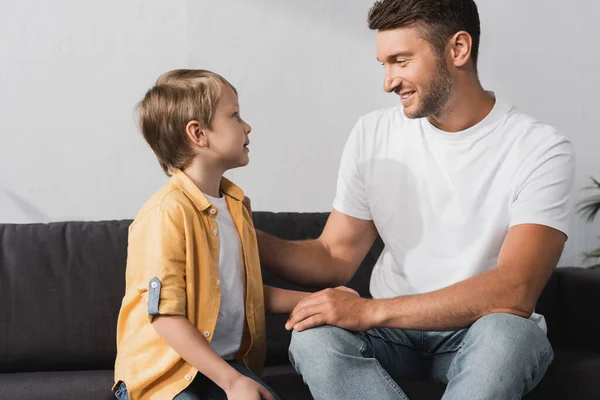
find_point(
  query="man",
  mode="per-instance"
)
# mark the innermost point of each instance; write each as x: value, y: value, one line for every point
x: 470, y: 197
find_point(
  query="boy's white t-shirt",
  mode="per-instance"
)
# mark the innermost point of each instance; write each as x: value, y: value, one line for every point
x: 227, y: 336
x: 443, y: 202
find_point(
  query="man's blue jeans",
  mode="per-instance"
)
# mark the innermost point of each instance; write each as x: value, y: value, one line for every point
x: 501, y: 356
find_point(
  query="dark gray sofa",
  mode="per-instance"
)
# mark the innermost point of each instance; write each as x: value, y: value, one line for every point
x: 61, y: 285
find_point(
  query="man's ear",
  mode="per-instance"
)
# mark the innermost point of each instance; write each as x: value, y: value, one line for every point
x: 460, y: 48
x: 196, y: 134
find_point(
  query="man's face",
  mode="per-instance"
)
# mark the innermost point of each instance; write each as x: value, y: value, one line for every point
x: 414, y: 72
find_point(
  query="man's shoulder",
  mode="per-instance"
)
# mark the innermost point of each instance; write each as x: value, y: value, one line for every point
x: 533, y: 133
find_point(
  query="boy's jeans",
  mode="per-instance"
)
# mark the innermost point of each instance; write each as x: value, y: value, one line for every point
x: 201, y: 387
x: 501, y: 356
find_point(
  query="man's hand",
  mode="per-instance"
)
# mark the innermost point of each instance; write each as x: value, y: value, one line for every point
x: 339, y: 307
x: 347, y: 289
x: 244, y: 388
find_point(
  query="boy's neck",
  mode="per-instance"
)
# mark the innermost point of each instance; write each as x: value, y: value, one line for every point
x: 208, y: 180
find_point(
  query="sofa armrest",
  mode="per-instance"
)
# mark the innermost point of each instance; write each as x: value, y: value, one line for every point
x: 579, y: 296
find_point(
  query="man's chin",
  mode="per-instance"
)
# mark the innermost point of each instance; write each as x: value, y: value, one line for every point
x: 412, y: 112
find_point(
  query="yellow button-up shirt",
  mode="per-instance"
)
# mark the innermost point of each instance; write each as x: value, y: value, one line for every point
x: 173, y: 252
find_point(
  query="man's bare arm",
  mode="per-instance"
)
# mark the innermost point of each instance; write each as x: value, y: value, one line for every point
x: 332, y: 259
x: 528, y: 256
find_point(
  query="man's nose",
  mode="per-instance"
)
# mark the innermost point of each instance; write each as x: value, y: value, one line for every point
x: 390, y: 83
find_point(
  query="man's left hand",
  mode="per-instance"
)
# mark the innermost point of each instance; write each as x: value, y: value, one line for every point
x: 336, y: 307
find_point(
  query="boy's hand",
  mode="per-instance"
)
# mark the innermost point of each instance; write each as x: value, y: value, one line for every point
x: 246, y: 203
x: 244, y: 388
x: 347, y: 289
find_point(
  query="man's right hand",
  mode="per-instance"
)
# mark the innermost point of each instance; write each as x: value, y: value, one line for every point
x: 244, y: 388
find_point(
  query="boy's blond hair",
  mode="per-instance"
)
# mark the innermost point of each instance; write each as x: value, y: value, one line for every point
x: 178, y: 97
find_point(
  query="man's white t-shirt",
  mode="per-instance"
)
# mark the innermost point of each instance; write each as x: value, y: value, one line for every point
x: 227, y: 337
x: 443, y: 202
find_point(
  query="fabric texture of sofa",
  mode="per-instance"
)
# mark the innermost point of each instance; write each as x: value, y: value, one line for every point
x: 61, y: 286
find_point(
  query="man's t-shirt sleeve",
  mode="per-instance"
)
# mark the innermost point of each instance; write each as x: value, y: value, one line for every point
x: 543, y: 197
x: 351, y: 196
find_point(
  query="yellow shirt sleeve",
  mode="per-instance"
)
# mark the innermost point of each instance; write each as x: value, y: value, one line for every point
x: 157, y: 250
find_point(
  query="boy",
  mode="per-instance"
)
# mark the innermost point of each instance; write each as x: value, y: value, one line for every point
x: 191, y: 325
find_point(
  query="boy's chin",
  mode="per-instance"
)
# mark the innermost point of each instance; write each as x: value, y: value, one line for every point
x: 243, y: 161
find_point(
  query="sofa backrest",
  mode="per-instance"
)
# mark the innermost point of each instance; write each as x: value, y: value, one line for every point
x: 61, y: 287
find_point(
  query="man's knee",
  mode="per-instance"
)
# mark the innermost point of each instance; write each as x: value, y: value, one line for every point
x: 317, y: 343
x: 507, y: 337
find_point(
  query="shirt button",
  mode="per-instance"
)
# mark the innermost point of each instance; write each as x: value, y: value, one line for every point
x: 213, y: 211
x: 153, y: 285
x: 218, y: 282
x: 216, y: 232
x: 188, y: 377
x: 206, y: 333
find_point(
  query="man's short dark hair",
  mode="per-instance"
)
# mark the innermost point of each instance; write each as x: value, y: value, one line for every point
x: 436, y: 20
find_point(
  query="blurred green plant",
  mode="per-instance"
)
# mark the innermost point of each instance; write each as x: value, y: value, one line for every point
x: 589, y: 208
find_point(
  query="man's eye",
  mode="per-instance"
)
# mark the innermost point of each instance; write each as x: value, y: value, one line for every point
x: 400, y: 61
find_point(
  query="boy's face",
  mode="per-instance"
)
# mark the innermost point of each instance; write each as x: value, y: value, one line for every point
x: 228, y: 137
x: 414, y: 72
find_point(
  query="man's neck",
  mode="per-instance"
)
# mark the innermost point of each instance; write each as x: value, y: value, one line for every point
x: 206, y: 178
x: 468, y: 106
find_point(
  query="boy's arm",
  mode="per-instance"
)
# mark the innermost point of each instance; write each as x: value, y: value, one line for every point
x: 283, y: 301
x: 186, y: 340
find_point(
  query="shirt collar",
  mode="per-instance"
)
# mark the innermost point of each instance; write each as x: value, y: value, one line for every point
x: 228, y: 188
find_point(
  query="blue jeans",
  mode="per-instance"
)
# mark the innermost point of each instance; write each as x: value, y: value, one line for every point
x: 501, y: 356
x: 201, y: 387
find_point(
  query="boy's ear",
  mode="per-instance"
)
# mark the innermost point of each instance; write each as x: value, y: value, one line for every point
x: 196, y: 134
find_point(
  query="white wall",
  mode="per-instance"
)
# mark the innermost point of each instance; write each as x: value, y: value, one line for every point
x: 71, y: 73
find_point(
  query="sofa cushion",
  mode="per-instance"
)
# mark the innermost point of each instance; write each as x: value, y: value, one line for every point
x: 61, y: 287
x: 579, y: 294
x: 573, y: 374
x: 67, y: 385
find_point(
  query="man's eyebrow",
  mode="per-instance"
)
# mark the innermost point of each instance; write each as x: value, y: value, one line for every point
x: 398, y: 54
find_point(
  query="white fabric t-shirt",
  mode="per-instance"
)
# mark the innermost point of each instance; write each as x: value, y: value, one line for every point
x: 227, y: 337
x: 443, y: 202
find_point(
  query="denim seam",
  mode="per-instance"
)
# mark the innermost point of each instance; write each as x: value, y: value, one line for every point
x: 443, y: 350
x: 390, y: 381
x: 380, y: 369
x: 459, y: 351
x: 399, y: 342
x: 537, y: 366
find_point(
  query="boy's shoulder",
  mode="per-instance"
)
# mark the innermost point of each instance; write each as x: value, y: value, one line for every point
x: 171, y: 199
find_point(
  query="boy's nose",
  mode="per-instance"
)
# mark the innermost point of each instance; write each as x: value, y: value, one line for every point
x: 247, y: 128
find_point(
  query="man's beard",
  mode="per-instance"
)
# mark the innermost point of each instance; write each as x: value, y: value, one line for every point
x: 434, y: 95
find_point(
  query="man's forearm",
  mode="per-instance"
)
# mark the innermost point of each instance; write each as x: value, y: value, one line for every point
x: 305, y: 262
x: 184, y: 338
x: 454, y: 307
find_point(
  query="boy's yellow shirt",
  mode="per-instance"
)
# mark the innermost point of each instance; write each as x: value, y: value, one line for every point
x: 173, y: 269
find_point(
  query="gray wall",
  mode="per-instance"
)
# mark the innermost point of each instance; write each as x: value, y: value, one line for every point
x: 71, y: 73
